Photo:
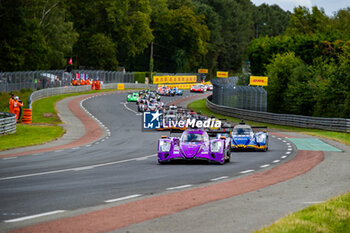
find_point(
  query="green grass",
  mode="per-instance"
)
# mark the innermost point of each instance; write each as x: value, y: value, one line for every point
x: 44, y: 110
x: 328, y: 217
x: 200, y: 106
x: 28, y: 135
x: 45, y: 127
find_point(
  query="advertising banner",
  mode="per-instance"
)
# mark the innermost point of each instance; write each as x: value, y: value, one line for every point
x: 174, y: 79
x: 222, y: 74
x: 258, y: 81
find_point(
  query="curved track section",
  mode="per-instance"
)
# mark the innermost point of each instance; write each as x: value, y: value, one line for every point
x: 122, y: 165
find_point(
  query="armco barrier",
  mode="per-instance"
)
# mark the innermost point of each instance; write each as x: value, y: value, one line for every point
x: 333, y: 124
x: 75, y: 89
x: 7, y: 123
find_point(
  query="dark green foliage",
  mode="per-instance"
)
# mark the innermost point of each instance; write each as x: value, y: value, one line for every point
x: 309, y: 66
x: 140, y: 76
x: 102, y: 34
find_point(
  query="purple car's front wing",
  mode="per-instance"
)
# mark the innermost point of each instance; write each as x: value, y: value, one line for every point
x: 192, y: 151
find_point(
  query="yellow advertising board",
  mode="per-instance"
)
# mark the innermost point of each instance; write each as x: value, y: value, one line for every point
x: 120, y: 86
x: 203, y: 71
x: 258, y: 81
x: 179, y: 85
x: 222, y: 74
x: 174, y: 79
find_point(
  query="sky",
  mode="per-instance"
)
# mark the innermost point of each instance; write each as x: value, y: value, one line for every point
x: 329, y: 6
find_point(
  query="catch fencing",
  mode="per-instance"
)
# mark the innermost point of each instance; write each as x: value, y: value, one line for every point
x: 14, y: 81
x: 333, y: 124
x: 7, y: 123
x: 226, y: 93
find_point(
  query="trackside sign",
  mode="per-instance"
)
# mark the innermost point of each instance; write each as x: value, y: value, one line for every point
x: 221, y: 74
x: 258, y: 81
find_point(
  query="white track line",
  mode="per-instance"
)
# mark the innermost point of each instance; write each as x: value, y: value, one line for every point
x: 276, y: 161
x: 219, y: 178
x: 9, y: 158
x: 123, y: 198
x: 266, y: 165
x: 73, y: 169
x: 247, y: 171
x: 130, y: 109
x: 180, y: 187
x: 34, y: 216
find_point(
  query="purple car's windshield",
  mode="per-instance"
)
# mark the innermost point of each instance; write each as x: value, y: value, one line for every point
x: 192, y: 137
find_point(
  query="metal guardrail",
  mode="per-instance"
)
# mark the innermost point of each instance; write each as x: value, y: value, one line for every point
x: 333, y: 124
x: 75, y: 89
x: 8, y: 123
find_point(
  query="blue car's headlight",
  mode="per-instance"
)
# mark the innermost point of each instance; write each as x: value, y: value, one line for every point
x: 260, y: 138
x: 215, y: 146
x: 164, y: 146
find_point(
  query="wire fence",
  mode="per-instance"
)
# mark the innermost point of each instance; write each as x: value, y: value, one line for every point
x: 14, y: 81
x: 226, y: 93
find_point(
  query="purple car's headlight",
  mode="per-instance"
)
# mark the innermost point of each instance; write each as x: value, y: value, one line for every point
x: 164, y: 146
x: 215, y: 146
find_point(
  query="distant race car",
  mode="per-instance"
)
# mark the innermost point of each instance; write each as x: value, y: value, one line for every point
x: 194, y: 144
x: 199, y: 88
x: 243, y: 137
x: 209, y: 87
x: 132, y: 97
x: 177, y: 91
x: 165, y: 91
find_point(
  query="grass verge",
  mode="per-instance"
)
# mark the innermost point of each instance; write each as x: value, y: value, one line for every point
x: 330, y: 216
x: 29, y: 135
x: 45, y: 127
x: 200, y: 106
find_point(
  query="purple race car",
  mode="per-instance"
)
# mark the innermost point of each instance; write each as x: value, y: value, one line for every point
x: 194, y: 144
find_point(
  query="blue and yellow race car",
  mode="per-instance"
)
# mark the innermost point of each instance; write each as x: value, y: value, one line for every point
x: 243, y: 137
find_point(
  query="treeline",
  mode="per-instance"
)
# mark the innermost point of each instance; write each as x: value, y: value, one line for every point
x: 308, y: 66
x: 105, y: 34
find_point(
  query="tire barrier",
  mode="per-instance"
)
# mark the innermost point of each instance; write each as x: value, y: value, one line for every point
x: 332, y: 124
x: 8, y: 123
x: 27, y: 116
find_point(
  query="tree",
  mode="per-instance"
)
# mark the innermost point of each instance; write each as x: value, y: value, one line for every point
x: 34, y: 35
x: 270, y: 20
x: 288, y: 89
x: 304, y: 22
x: 102, y: 52
x: 125, y: 22
x: 181, y: 38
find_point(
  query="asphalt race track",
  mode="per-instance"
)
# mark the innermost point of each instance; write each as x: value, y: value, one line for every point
x: 120, y: 166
